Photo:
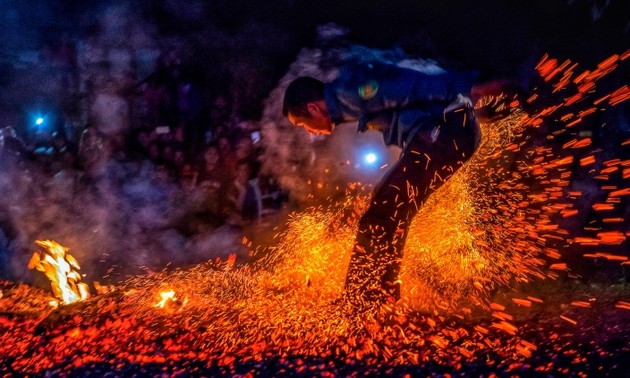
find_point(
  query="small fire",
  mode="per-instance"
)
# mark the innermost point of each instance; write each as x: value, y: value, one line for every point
x: 166, y: 296
x: 62, y: 271
x: 170, y: 301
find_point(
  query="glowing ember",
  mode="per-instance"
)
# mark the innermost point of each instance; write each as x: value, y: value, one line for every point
x: 62, y: 271
x: 170, y: 301
x: 166, y: 296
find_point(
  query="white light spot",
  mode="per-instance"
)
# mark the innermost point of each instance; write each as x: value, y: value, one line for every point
x: 370, y: 158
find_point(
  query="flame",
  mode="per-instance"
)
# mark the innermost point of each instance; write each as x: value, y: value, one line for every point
x: 169, y: 300
x: 166, y: 296
x: 62, y: 271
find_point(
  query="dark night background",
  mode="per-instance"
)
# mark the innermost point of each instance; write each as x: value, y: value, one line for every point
x: 226, y: 43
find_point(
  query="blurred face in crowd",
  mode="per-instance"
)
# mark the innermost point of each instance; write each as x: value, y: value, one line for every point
x: 154, y: 151
x: 8, y: 132
x: 179, y: 134
x: 315, y: 121
x: 243, y: 148
x: 167, y: 152
x: 161, y: 173
x: 187, y: 175
x: 242, y: 173
x: 211, y: 156
x: 144, y: 139
x: 224, y: 145
x: 178, y: 157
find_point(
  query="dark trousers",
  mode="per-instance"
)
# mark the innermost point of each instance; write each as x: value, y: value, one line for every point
x: 423, y: 167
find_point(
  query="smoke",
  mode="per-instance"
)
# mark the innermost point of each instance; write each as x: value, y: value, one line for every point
x: 119, y: 221
x: 128, y: 220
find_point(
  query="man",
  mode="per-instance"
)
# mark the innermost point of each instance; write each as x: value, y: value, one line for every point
x: 12, y: 148
x: 428, y: 116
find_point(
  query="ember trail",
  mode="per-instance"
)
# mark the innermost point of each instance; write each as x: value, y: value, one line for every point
x: 475, y: 255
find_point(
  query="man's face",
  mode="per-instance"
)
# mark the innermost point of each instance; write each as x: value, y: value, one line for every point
x: 317, y: 121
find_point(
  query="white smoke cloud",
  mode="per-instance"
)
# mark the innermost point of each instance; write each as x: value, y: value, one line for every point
x: 127, y: 221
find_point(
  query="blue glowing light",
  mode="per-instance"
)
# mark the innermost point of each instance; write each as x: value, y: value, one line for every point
x: 371, y: 158
x: 39, y: 121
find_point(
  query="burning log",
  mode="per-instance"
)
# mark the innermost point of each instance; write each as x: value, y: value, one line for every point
x: 62, y: 271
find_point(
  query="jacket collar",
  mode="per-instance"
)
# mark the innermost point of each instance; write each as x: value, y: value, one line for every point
x: 332, y: 105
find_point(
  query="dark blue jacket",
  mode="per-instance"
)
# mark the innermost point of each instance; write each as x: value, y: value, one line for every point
x: 397, y: 101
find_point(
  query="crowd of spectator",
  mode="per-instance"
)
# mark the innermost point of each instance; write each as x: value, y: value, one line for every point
x: 171, y: 131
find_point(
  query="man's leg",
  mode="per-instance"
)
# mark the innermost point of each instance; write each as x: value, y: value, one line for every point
x: 376, y: 259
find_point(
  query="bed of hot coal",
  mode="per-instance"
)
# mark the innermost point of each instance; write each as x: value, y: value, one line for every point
x: 579, y: 329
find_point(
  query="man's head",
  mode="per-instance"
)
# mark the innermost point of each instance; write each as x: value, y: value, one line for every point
x: 9, y: 132
x: 305, y: 107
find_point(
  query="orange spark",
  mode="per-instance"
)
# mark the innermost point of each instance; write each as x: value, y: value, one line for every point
x: 558, y: 266
x: 580, y: 304
x: 603, y: 207
x: 609, y: 62
x: 587, y: 161
x: 620, y: 95
x: 522, y: 302
x: 567, y: 319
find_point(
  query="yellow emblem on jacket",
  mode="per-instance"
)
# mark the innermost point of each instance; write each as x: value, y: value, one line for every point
x: 368, y: 90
